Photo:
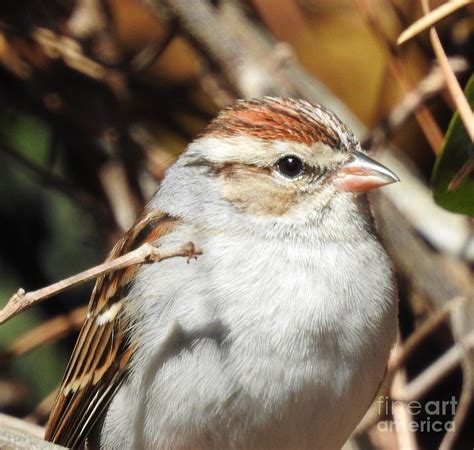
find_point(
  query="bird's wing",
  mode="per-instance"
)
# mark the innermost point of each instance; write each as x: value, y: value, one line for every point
x: 101, y: 354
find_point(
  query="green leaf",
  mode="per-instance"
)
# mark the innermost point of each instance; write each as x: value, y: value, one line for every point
x: 26, y: 134
x: 457, y: 150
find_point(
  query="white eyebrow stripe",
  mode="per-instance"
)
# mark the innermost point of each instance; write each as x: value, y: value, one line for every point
x: 260, y: 153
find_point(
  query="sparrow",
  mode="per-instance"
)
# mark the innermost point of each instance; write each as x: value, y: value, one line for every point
x: 278, y: 336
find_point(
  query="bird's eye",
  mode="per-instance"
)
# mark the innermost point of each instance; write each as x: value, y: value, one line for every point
x: 290, y: 166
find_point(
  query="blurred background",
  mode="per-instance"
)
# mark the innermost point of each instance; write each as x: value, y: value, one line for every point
x: 98, y: 97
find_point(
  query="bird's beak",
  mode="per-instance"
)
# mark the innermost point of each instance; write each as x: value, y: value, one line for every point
x: 361, y: 174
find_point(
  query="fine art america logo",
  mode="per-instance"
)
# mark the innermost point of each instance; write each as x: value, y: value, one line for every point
x: 431, y: 416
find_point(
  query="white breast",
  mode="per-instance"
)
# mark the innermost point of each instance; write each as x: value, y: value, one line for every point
x: 255, y: 345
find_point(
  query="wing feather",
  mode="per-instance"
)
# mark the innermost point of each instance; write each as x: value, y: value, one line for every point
x: 99, y: 360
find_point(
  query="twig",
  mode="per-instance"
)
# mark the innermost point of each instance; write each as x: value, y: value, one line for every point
x: 448, y: 233
x: 240, y: 64
x: 453, y: 86
x: 145, y: 58
x: 45, y: 332
x: 440, y: 368
x: 462, y: 410
x: 14, y: 394
x: 452, y: 83
x: 117, y: 189
x: 461, y: 319
x: 464, y: 171
x: 459, y: 418
x: 16, y: 434
x: 69, y: 51
x: 412, y: 257
x: 401, y: 415
x: 437, y: 318
x: 375, y: 414
x: 87, y: 19
x: 426, y: 89
x: 101, y: 67
x: 145, y: 254
x: 430, y: 19
x: 423, y: 114
x: 419, y: 386
x: 43, y: 409
x: 14, y: 423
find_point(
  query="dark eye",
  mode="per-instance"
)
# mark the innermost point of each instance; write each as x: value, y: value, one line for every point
x: 290, y: 166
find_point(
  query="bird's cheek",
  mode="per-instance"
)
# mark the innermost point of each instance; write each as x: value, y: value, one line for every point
x: 258, y: 196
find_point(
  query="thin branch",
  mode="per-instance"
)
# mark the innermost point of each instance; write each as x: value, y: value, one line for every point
x: 461, y: 320
x: 376, y: 414
x: 423, y: 115
x: 414, y: 340
x: 462, y: 411
x: 117, y: 189
x: 430, y: 86
x: 43, y: 409
x: 14, y: 423
x: 145, y: 254
x: 429, y: 272
x: 464, y: 171
x: 19, y: 434
x: 459, y: 418
x: 440, y: 368
x: 453, y: 86
x: 419, y: 386
x: 430, y: 19
x: 69, y: 51
x: 87, y: 19
x: 401, y: 415
x: 242, y: 66
x: 147, y: 56
x: 43, y: 333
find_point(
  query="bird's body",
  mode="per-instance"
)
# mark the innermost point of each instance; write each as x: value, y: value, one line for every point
x: 277, y: 337
x: 251, y: 351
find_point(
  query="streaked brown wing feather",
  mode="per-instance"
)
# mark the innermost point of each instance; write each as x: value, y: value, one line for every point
x: 101, y: 354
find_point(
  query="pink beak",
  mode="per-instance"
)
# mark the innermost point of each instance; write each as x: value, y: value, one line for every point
x: 362, y: 174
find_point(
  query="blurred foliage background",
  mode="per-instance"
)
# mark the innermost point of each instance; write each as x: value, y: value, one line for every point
x: 97, y: 97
